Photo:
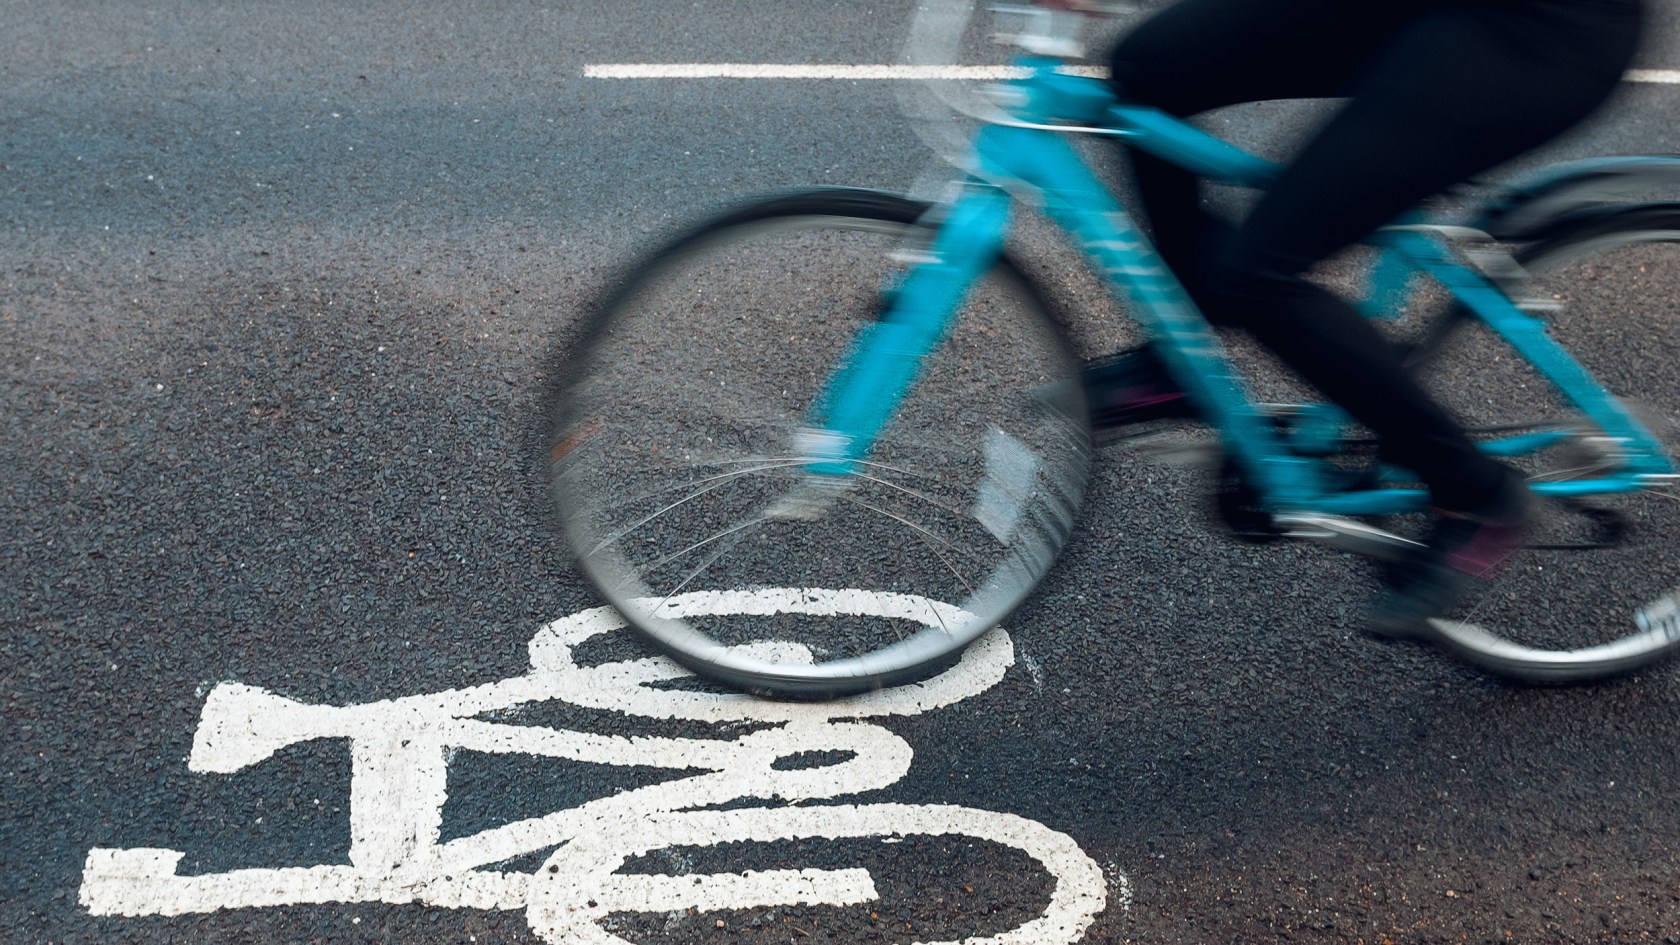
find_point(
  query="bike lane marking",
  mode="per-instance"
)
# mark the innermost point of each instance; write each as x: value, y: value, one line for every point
x: 401, y: 750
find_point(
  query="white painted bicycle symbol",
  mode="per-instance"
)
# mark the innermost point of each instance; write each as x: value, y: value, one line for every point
x: 401, y: 751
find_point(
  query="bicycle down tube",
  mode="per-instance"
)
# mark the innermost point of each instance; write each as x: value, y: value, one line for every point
x: 886, y: 357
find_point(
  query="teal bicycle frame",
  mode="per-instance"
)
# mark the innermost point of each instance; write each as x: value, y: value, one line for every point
x: 1028, y: 156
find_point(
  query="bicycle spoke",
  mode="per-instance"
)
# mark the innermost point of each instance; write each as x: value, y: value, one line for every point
x: 914, y: 494
x: 738, y: 532
x: 929, y: 537
x: 716, y: 483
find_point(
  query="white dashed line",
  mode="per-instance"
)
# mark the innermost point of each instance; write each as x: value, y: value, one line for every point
x: 1661, y: 76
x: 739, y: 70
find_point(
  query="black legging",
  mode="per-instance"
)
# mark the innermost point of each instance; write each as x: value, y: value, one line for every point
x: 1437, y: 91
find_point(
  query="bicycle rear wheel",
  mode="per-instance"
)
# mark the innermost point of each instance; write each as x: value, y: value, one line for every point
x: 1596, y: 594
x: 678, y: 434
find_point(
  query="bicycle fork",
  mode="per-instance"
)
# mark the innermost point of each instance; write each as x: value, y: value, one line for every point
x: 886, y: 357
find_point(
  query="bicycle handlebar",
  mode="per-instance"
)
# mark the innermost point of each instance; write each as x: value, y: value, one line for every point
x: 936, y: 44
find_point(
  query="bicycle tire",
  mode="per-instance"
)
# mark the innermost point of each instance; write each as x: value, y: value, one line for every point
x: 1537, y: 621
x: 661, y: 465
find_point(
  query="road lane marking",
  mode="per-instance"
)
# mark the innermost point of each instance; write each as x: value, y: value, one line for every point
x: 402, y: 750
x: 742, y: 70
x: 1662, y: 76
x: 737, y: 70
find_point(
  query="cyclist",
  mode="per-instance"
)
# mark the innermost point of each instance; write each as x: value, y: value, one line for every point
x: 1435, y: 92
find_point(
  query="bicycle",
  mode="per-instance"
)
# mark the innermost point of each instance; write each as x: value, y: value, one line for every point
x: 903, y: 415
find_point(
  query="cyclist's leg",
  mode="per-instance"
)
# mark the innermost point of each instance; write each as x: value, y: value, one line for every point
x: 1462, y: 90
x: 1198, y: 55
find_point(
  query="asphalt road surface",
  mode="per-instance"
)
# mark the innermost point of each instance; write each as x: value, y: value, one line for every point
x: 288, y: 657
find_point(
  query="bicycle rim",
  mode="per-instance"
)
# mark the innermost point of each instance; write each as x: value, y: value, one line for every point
x: 684, y: 419
x: 1595, y: 594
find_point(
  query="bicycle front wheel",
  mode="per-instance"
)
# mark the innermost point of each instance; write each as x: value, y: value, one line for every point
x: 682, y: 429
x: 1596, y: 594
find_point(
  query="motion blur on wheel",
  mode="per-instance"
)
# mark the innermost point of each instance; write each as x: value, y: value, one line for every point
x: 684, y: 442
